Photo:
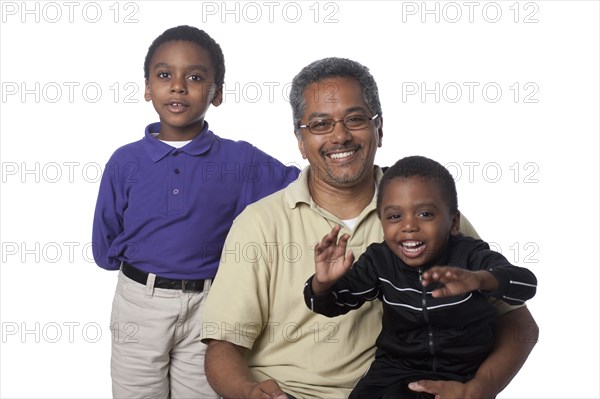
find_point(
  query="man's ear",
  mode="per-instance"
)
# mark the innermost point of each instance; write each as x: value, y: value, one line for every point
x: 380, y: 131
x: 300, y: 145
x: 217, y: 97
x: 147, y: 96
x: 455, y: 224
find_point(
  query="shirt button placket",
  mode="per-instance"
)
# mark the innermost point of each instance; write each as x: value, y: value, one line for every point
x: 176, y: 181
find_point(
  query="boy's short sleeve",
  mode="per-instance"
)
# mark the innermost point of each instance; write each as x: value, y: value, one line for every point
x: 266, y: 175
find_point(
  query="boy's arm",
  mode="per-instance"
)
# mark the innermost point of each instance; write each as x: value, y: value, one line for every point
x: 513, y: 285
x: 229, y: 376
x: 265, y: 175
x: 108, y: 219
x: 517, y: 334
x: 484, y: 270
x: 348, y: 287
x: 457, y: 281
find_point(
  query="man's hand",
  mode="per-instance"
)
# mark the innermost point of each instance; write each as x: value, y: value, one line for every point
x: 229, y: 375
x: 448, y: 389
x: 331, y: 261
x: 458, y: 281
x: 268, y: 389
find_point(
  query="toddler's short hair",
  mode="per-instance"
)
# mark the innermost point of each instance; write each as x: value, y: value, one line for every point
x: 427, y: 169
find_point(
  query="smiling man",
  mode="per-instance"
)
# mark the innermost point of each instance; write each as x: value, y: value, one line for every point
x: 262, y: 341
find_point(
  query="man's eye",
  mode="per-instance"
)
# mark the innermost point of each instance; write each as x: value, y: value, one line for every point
x: 355, y: 120
x: 320, y: 124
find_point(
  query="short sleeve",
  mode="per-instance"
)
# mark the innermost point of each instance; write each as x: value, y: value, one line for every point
x: 237, y: 304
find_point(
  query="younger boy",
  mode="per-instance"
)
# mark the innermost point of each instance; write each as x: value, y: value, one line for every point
x: 433, y: 282
x: 165, y: 205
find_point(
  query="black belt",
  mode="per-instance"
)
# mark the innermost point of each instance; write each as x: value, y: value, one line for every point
x: 161, y: 282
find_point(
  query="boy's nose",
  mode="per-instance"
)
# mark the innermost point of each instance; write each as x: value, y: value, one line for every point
x: 178, y: 86
x: 409, y: 225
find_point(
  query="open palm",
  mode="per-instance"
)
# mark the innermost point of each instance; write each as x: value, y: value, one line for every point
x: 331, y: 260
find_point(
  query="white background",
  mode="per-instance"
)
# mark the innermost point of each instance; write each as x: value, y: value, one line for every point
x: 526, y: 162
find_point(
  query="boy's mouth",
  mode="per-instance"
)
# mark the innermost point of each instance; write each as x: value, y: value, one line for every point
x: 412, y: 249
x: 176, y: 106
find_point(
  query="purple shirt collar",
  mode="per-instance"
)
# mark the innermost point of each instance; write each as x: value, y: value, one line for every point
x: 157, y: 150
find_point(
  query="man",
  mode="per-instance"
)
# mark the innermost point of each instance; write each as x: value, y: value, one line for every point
x: 262, y: 341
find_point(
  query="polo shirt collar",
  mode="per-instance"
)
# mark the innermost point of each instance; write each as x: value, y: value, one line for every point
x: 157, y: 150
x: 298, y: 192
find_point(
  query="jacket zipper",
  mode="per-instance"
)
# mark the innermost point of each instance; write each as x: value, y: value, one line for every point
x: 426, y: 317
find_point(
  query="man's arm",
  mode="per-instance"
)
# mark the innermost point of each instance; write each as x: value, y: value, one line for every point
x: 229, y: 376
x: 517, y: 334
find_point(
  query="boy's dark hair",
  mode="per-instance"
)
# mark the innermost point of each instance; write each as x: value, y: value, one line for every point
x: 194, y: 35
x: 331, y: 68
x: 425, y: 168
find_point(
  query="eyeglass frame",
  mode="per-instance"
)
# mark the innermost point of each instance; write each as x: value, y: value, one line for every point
x: 369, y: 119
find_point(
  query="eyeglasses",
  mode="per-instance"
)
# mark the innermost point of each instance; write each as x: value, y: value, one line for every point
x: 352, y: 122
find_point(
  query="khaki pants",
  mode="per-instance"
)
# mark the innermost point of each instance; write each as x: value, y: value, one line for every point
x: 156, y: 348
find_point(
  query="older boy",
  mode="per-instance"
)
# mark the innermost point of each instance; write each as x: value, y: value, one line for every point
x: 437, y: 321
x: 165, y: 205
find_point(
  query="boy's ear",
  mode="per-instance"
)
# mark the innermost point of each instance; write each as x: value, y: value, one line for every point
x: 147, y: 96
x: 455, y: 224
x: 217, y: 97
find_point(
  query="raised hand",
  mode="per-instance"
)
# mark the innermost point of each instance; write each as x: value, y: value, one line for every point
x: 331, y: 260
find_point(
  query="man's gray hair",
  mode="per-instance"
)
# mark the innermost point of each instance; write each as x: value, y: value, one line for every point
x: 329, y: 68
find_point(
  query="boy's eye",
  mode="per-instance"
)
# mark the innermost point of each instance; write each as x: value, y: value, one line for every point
x: 163, y: 75
x: 425, y: 215
x: 394, y: 216
x: 195, y: 78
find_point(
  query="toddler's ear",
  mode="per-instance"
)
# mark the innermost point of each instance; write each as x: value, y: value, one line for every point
x: 455, y: 224
x: 147, y: 95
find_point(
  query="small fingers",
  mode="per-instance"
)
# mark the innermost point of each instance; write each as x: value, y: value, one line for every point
x: 440, y: 273
x: 349, y: 260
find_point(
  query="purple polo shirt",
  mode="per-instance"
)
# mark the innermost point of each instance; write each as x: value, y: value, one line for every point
x: 167, y: 211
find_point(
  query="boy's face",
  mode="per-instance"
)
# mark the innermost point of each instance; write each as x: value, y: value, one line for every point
x: 416, y: 220
x: 181, y: 87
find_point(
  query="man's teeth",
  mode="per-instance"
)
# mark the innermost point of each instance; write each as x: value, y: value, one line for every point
x: 341, y: 155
